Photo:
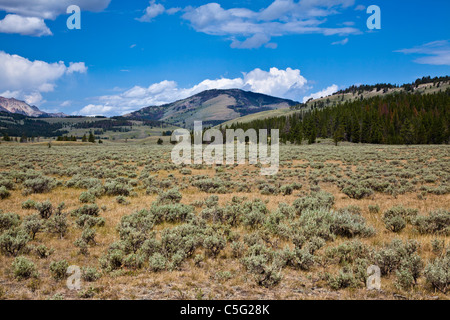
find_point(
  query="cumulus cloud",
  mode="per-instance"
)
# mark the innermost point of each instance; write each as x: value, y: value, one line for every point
x: 78, y: 67
x: 50, y: 9
x: 253, y: 29
x: 29, y: 15
x: 321, y: 94
x: 152, y: 11
x: 434, y: 53
x: 28, y: 79
x: 13, y: 23
x: 287, y: 83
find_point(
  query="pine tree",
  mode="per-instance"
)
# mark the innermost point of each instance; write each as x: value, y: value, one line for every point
x: 91, y: 137
x: 338, y: 135
x: 84, y: 139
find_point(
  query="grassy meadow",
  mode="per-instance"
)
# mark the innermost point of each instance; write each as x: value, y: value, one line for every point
x: 140, y: 227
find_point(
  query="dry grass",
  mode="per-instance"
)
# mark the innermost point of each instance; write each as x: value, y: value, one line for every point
x: 193, y: 282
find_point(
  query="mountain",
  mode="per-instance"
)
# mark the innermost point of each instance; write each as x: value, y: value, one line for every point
x: 20, y: 107
x: 212, y: 107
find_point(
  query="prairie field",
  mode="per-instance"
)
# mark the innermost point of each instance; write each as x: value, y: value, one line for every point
x: 140, y: 227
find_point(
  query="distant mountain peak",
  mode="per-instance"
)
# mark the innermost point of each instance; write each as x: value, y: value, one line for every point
x: 213, y: 107
x: 15, y: 106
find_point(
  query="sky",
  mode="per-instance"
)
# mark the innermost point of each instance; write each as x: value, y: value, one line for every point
x: 137, y: 53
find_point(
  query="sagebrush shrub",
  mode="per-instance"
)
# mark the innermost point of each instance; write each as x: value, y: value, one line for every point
x: 319, y: 200
x: 13, y: 241
x: 8, y: 221
x: 39, y: 185
x: 23, y: 268
x: 90, y: 274
x: 438, y: 222
x: 170, y: 197
x: 4, y: 193
x: 33, y: 224
x: 45, y: 209
x: 437, y: 273
x: 29, y: 204
x: 58, y: 269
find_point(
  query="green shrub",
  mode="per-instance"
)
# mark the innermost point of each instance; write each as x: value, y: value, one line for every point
x: 87, y: 197
x: 357, y: 192
x: 13, y: 241
x: 253, y: 214
x: 8, y: 221
x: 45, y: 209
x: 438, y: 246
x: 395, y: 224
x: 58, y: 225
x: 319, y: 200
x: 348, y: 252
x: 298, y: 259
x: 345, y: 279
x: 213, y: 245
x: 90, y: 274
x: 157, y: 262
x: 406, y: 214
x: 133, y: 261
x: 438, y: 222
x: 89, y: 221
x: 90, y: 210
x: 4, y: 193
x: 58, y: 269
x: 43, y: 252
x: 374, y: 209
x: 170, y: 197
x: 33, y: 224
x: 117, y: 188
x: 437, y: 274
x: 39, y: 185
x: 328, y: 224
x: 396, y: 254
x: 122, y: 200
x: 23, y: 268
x: 173, y: 213
x: 29, y: 204
x: 88, y: 236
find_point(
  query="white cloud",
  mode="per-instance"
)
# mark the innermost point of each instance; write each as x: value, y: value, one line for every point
x: 13, y: 23
x: 287, y: 83
x: 50, y: 9
x: 29, y: 15
x: 321, y: 94
x: 28, y: 79
x: 152, y: 11
x: 253, y: 29
x: 360, y: 7
x: 66, y: 103
x: 95, y: 110
x: 78, y: 67
x: 435, y: 53
x: 342, y: 42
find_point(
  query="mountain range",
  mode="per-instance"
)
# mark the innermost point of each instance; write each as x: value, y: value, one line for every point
x: 20, y: 107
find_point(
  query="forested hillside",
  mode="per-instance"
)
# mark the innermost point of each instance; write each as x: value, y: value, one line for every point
x: 399, y: 118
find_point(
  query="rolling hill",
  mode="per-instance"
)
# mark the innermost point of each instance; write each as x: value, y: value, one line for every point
x: 212, y: 107
x: 420, y: 86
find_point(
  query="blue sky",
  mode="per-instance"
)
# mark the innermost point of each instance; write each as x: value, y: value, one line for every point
x: 131, y: 54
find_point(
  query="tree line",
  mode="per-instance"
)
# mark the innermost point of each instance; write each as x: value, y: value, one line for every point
x: 398, y: 118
